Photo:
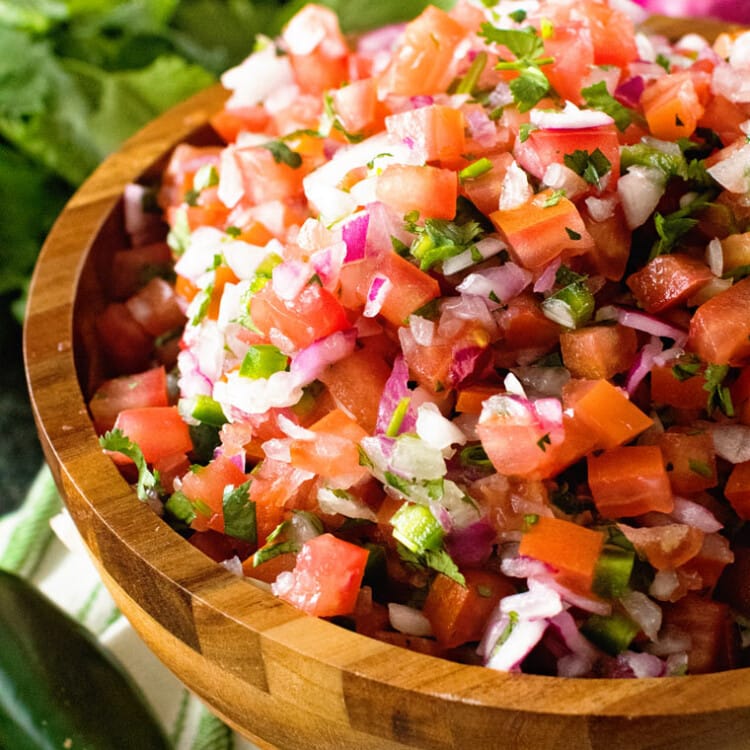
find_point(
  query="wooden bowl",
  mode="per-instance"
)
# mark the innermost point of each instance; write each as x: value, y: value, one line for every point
x: 276, y: 675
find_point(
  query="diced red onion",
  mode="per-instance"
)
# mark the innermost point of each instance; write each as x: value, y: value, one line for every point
x: 234, y: 566
x: 732, y: 442
x: 582, y: 654
x: 327, y: 263
x: 463, y: 363
x: 408, y: 620
x: 396, y: 388
x: 379, y: 40
x: 638, y: 664
x: 547, y: 278
x: 380, y: 287
x: 309, y: 363
x: 472, y: 545
x: 643, y: 611
x: 647, y: 323
x: 421, y: 100
x: 644, y: 362
x: 596, y: 606
x: 504, y: 282
x: 384, y: 223
x: 354, y: 234
x: 549, y: 412
x: 629, y: 92
x: 694, y: 514
x: 521, y: 566
x: 481, y: 128
x: 455, y: 310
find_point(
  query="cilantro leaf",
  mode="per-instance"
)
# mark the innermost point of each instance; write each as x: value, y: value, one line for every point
x: 719, y: 395
x: 148, y: 482
x: 598, y: 97
x: 671, y: 228
x: 591, y: 166
x: 523, y: 43
x: 239, y: 513
x: 529, y: 88
x: 282, y: 154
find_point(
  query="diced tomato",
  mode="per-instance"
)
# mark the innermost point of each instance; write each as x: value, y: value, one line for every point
x: 572, y: 550
x: 607, y: 412
x: 140, y: 389
x: 205, y: 486
x: 229, y: 123
x: 458, y: 614
x: 334, y: 452
x: 724, y: 118
x: 612, y: 33
x: 357, y: 383
x: 159, y: 431
x: 469, y: 400
x: 430, y: 191
x: 126, y: 344
x: 422, y: 63
x: 611, y: 251
x: 135, y: 267
x: 539, y: 232
x: 326, y: 65
x: 572, y: 49
x: 690, y: 459
x: 672, y: 106
x: 712, y: 559
x: 629, y: 481
x: 269, y: 570
x: 326, y: 578
x: 265, y: 179
x: 410, y: 289
x: 713, y: 634
x: 668, y: 280
x: 356, y: 105
x: 156, y: 308
x: 484, y: 191
x: 516, y: 440
x: 598, y: 351
x: 668, y: 390
x: 436, y: 132
x: 313, y: 314
x: 545, y: 147
x: 720, y: 328
x: 223, y: 275
x: 665, y: 547
x: 737, y: 489
x: 525, y: 328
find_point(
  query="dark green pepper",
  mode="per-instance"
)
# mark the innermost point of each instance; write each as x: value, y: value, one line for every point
x: 59, y: 690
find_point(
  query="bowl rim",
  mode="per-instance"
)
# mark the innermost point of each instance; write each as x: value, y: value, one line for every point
x: 82, y: 471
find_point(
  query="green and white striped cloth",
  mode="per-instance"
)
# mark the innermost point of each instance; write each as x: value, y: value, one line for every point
x: 31, y: 545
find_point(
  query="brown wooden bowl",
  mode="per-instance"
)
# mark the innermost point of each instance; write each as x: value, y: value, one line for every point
x: 271, y: 672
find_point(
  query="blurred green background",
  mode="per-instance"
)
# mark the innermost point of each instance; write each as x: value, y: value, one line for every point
x: 76, y: 78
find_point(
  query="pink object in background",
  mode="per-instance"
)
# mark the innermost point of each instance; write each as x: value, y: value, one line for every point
x: 737, y: 11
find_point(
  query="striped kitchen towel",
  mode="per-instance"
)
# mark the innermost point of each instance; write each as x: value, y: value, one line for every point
x: 39, y: 542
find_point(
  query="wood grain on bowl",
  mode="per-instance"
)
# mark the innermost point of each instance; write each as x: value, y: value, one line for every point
x: 280, y: 677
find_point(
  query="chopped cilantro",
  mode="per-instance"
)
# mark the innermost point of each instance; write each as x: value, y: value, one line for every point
x: 519, y: 16
x: 474, y: 455
x: 573, y: 234
x: 148, y: 482
x: 529, y: 88
x: 543, y: 442
x: 591, y: 166
x: 282, y: 154
x: 663, y: 60
x: 598, y: 97
x: 239, y: 513
x: 671, y: 228
x: 525, y: 131
x: 719, y: 396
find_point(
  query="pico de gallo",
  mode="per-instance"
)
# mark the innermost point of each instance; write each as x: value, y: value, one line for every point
x: 449, y: 338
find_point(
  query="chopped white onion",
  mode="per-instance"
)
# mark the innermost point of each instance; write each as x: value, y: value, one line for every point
x: 640, y: 190
x: 696, y: 515
x: 715, y: 257
x: 646, y: 613
x: 436, y: 430
x: 515, y: 189
x: 343, y: 503
x: 732, y: 442
x: 408, y: 620
x: 570, y: 117
x: 256, y: 77
x: 733, y: 172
